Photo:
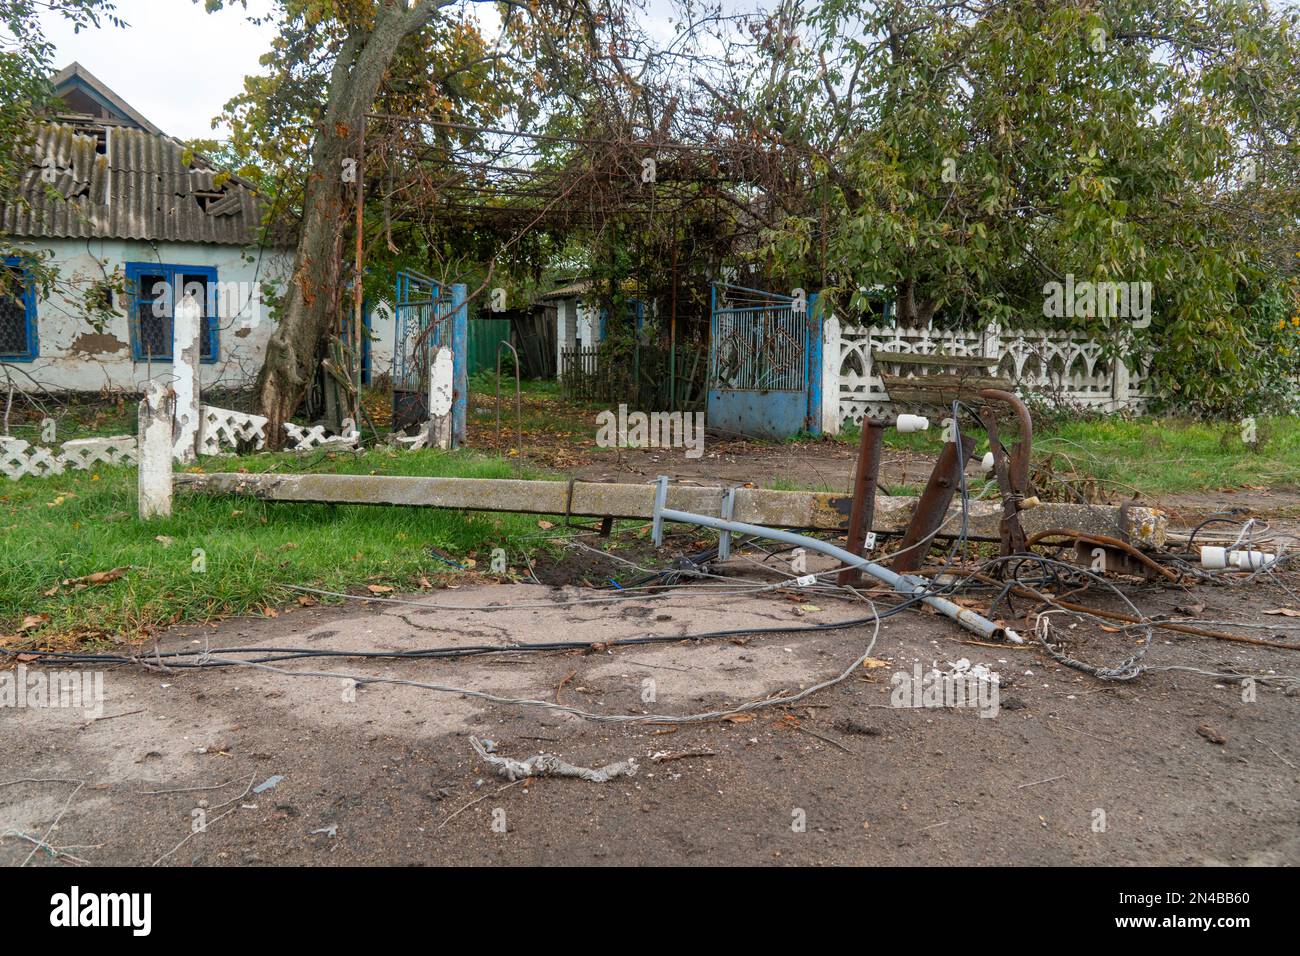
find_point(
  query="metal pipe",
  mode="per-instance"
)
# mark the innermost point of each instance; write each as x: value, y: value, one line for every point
x: 907, y: 584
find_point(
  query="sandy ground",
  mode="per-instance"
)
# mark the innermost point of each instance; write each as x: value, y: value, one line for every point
x: 386, y: 775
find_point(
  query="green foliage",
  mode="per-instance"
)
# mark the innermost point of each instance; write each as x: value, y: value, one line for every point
x: 79, y: 523
x: 966, y: 155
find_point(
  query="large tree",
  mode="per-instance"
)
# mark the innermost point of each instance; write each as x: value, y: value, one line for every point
x: 963, y: 155
x: 301, y: 127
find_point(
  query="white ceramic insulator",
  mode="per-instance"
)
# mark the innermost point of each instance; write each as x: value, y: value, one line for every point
x: 1214, y: 558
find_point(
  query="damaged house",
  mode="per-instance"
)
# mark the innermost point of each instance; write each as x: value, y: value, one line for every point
x: 131, y: 220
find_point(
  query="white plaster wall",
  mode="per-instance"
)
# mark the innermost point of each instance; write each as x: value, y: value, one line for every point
x: 73, y: 356
x: 566, y: 331
x: 383, y: 335
x: 588, y: 324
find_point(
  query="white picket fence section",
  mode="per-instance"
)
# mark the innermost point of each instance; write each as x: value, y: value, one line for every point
x: 1062, y: 367
x: 20, y: 459
x: 221, y: 432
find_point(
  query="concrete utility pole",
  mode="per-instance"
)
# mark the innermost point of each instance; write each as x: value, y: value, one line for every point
x: 157, y: 419
x: 187, y: 352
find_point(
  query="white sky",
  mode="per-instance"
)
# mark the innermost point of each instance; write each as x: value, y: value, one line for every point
x: 178, y: 65
x: 175, y: 63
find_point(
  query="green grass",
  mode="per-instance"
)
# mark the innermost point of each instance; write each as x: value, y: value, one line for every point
x: 73, y: 525
x: 1152, y: 455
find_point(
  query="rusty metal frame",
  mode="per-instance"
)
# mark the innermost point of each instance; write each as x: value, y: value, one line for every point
x: 866, y: 482
x: 1011, y: 469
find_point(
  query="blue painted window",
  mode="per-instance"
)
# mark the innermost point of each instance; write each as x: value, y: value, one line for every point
x: 17, y: 313
x: 152, y: 290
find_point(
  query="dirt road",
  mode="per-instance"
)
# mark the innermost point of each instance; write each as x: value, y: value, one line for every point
x: 1172, y: 768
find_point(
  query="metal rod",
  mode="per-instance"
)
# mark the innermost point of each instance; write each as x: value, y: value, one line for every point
x: 903, y: 583
x: 519, y: 413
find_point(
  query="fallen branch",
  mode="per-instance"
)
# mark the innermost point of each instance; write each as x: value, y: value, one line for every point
x: 548, y: 765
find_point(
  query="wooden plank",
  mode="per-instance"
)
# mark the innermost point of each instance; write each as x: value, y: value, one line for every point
x: 813, y: 510
x: 940, y: 389
x: 914, y: 358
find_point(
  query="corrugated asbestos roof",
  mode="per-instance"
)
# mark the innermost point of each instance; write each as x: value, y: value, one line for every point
x: 139, y: 188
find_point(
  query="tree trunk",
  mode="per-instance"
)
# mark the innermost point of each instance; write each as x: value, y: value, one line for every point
x: 313, y: 294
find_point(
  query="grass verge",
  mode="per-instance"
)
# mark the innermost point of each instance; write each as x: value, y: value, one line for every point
x: 1156, y: 456
x: 220, y: 556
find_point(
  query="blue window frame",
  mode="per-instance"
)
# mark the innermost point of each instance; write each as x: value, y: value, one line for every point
x: 18, y: 339
x: 152, y: 289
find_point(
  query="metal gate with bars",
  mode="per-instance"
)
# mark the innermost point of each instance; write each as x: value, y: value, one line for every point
x: 423, y: 305
x: 764, y: 363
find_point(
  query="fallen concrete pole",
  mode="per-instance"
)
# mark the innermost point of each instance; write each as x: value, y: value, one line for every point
x: 811, y: 510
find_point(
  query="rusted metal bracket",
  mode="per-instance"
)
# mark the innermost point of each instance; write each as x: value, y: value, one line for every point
x: 866, y: 481
x: 1010, y: 469
x: 932, y: 507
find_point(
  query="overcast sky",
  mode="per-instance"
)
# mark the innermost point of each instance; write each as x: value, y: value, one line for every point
x: 178, y: 65
x: 175, y: 64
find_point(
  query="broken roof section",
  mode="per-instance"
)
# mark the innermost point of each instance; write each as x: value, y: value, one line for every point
x: 111, y: 174
x: 84, y: 94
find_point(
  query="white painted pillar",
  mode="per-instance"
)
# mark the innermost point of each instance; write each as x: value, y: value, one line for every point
x: 441, y: 392
x: 1119, y: 384
x: 567, y: 337
x: 830, y: 372
x: 155, y: 431
x: 187, y: 327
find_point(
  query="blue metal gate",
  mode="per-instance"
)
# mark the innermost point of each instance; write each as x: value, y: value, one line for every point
x: 764, y: 363
x: 425, y: 305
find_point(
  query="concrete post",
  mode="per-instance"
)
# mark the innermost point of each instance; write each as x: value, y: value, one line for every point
x: 830, y: 372
x: 441, y: 398
x: 187, y: 328
x: 1119, y: 384
x: 460, y: 364
x: 156, y: 423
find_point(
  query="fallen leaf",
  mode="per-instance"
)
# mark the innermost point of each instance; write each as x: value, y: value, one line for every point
x: 545, y: 525
x: 99, y: 577
x: 378, y: 588
x: 1212, y: 735
x: 32, y: 621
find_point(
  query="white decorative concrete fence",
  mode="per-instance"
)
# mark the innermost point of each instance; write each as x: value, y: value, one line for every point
x: 21, y: 459
x: 1062, y: 366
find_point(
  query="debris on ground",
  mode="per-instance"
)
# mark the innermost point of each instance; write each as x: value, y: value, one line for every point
x: 548, y: 765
